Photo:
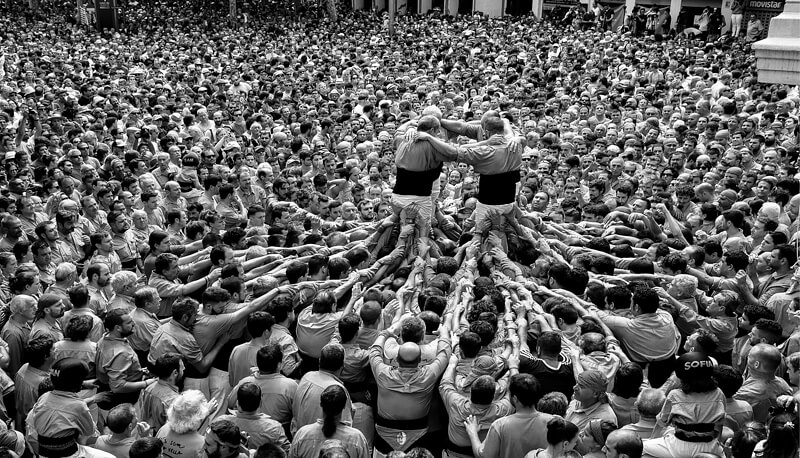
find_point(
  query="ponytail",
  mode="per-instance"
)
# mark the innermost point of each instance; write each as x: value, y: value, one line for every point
x: 332, y: 401
x: 328, y: 426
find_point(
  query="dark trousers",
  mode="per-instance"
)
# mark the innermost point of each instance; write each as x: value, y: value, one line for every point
x: 658, y: 371
x: 307, y: 364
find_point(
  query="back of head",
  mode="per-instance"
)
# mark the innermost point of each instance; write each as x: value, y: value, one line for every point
x: 646, y: 300
x: 493, y: 125
x: 409, y: 354
x: 783, y: 432
x: 744, y: 442
x: 525, y: 388
x: 728, y: 379
x: 120, y: 417
x: 764, y: 358
x: 696, y: 373
x: 419, y: 452
x: 68, y: 374
x: 146, y: 447
x: 626, y: 443
x: 560, y: 431
x: 483, y: 390
x: 428, y: 124
x: 650, y: 402
x: 549, y: 343
x: 470, y: 344
x: 332, y: 401
x: 333, y: 448
x: 554, y: 403
x: 628, y: 380
x: 187, y: 412
x: 331, y: 357
x: 269, y: 357
x: 412, y: 330
x: 248, y: 397
x: 226, y: 432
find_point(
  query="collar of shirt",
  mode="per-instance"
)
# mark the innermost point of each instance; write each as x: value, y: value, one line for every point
x: 780, y: 277
x: 65, y: 394
x: 157, y: 275
x: 252, y: 415
x: 168, y: 385
x: 19, y: 325
x: 111, y: 440
x: 346, y: 423
x: 588, y: 410
x: 331, y: 375
x: 92, y: 290
x: 108, y: 336
x: 145, y: 312
x: 55, y: 325
x: 37, y: 371
x: 263, y: 376
x: 179, y: 326
x: 646, y: 422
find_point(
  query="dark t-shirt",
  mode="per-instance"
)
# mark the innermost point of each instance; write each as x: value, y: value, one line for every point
x: 550, y: 378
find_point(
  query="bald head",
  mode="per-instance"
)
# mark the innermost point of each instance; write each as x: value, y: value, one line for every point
x: 409, y: 355
x: 764, y: 359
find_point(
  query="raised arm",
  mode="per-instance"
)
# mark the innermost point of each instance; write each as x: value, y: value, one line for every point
x: 461, y: 128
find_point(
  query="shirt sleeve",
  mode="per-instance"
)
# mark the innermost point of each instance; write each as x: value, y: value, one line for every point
x: 442, y: 356
x: 166, y: 288
x: 615, y: 323
x: 223, y: 323
x: 376, y: 360
x: 472, y: 131
x: 85, y: 423
x: 491, y: 446
x: 448, y: 391
x: 474, y: 155
x: 363, y: 449
x: 280, y: 435
x: 117, y: 368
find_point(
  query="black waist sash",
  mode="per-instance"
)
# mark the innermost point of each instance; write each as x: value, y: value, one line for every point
x: 410, y: 183
x: 498, y: 189
x: 695, y: 432
x: 419, y: 423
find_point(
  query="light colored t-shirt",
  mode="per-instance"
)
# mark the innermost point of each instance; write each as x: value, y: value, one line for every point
x: 186, y: 445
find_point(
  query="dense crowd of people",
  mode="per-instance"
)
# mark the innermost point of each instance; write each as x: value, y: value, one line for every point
x: 475, y: 238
